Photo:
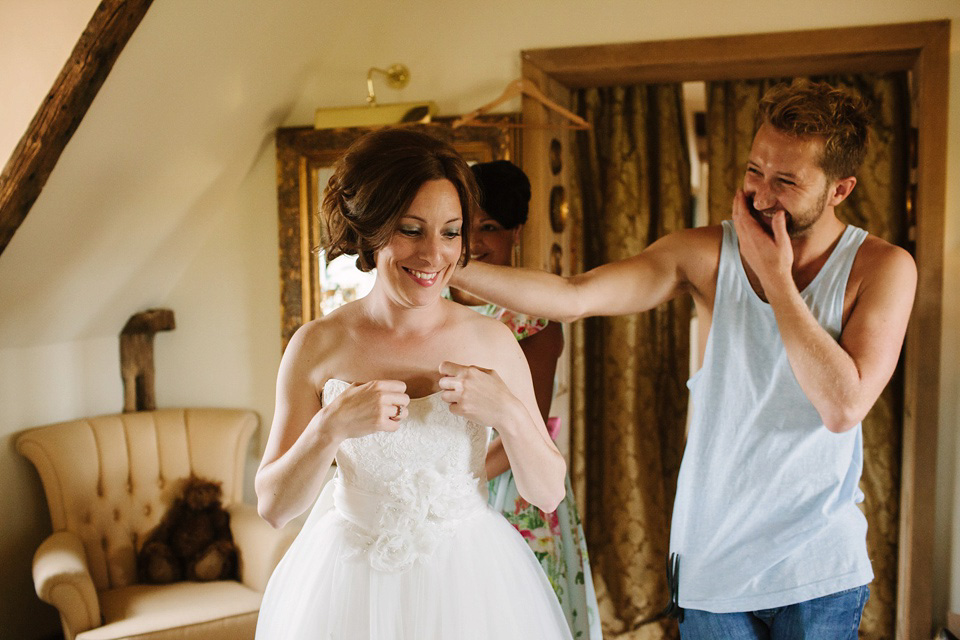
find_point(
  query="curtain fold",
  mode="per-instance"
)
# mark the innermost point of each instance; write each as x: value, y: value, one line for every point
x: 631, y: 185
x: 731, y: 111
x: 877, y: 204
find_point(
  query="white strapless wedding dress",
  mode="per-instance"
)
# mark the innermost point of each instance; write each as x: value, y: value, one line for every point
x: 402, y: 546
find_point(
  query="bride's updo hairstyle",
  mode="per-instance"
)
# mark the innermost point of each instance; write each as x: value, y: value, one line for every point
x: 374, y: 183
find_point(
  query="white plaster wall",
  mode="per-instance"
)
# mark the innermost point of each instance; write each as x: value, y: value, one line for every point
x: 166, y: 196
x: 47, y: 382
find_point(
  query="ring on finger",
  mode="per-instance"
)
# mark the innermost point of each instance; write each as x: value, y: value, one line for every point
x: 396, y: 416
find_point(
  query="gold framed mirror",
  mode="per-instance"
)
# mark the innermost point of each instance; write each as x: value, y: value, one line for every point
x: 305, y: 159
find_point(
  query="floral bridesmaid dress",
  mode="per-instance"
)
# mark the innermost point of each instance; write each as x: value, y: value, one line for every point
x: 556, y: 538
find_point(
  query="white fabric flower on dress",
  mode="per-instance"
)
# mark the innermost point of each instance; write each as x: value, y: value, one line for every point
x: 419, y: 512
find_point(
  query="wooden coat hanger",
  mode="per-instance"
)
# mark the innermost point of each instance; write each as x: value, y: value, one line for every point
x: 522, y: 86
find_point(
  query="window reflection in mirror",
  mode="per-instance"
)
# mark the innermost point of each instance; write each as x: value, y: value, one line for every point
x: 341, y: 282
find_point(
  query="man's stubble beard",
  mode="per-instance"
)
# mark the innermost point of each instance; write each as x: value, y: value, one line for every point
x: 809, y: 217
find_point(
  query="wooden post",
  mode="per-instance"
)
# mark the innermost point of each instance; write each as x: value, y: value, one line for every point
x: 136, y: 357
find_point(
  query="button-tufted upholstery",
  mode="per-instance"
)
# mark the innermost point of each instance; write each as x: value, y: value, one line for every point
x: 108, y: 482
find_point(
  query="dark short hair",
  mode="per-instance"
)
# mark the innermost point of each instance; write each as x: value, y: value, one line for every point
x: 374, y: 183
x: 504, y: 192
x: 838, y: 115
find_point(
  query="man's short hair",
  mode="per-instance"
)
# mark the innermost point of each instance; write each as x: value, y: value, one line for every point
x: 838, y: 115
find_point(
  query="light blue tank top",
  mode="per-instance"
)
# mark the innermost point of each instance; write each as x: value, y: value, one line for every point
x: 766, y: 510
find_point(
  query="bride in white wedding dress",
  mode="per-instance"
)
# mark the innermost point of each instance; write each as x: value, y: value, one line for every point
x: 401, y: 387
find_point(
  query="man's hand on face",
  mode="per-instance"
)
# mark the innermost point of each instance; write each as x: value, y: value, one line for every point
x: 768, y: 252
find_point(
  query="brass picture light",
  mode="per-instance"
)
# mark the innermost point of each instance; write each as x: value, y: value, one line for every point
x: 375, y: 114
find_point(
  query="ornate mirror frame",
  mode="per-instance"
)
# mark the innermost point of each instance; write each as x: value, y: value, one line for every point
x: 303, y: 151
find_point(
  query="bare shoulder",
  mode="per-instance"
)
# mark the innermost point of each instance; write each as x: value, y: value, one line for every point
x: 704, y: 238
x: 883, y: 278
x: 875, y: 248
x: 478, y: 326
x: 489, y: 342
x: 320, y: 333
x: 315, y: 342
x: 697, y: 254
x: 688, y: 255
x: 880, y: 263
x: 699, y: 243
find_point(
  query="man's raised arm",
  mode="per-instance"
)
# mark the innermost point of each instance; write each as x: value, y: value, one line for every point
x: 632, y: 285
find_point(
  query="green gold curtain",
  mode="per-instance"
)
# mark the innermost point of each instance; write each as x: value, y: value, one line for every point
x: 878, y: 205
x: 731, y: 110
x: 631, y: 185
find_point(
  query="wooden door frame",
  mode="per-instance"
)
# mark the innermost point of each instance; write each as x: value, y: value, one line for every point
x: 921, y: 48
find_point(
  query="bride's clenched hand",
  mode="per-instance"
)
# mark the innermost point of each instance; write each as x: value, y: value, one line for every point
x: 362, y: 409
x: 475, y: 393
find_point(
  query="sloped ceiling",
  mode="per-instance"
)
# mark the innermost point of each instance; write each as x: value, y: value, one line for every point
x: 63, y: 109
x: 192, y: 102
x: 189, y: 105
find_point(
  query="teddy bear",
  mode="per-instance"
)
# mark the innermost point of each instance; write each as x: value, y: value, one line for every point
x: 192, y: 541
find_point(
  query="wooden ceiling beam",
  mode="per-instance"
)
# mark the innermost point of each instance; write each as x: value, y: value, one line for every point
x: 34, y: 158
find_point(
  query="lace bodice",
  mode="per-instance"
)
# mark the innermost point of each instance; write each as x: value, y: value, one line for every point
x: 404, y: 491
x: 429, y: 438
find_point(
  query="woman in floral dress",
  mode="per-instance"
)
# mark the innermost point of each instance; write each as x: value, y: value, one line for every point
x: 556, y: 538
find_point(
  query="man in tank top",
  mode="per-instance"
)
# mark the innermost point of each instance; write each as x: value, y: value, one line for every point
x: 801, y: 323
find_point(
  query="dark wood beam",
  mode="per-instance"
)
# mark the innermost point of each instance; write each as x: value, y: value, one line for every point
x: 32, y: 162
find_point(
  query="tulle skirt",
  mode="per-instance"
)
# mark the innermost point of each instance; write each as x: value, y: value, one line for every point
x: 480, y: 581
x: 558, y: 543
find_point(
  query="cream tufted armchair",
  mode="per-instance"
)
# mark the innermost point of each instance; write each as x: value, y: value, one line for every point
x: 108, y: 481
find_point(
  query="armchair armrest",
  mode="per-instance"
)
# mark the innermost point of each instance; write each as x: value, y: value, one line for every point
x: 62, y: 578
x: 260, y: 545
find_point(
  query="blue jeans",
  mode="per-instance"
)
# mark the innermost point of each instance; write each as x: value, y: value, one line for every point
x: 832, y: 617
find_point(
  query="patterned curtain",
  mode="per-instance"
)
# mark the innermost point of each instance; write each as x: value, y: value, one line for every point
x: 631, y: 185
x: 731, y: 109
x: 877, y: 204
